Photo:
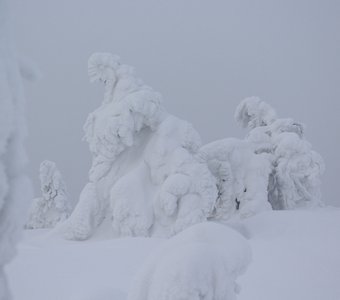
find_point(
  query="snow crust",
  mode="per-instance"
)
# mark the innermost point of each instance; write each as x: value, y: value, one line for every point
x: 53, y: 206
x: 201, y: 262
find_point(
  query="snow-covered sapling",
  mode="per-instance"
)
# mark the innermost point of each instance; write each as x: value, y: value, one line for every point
x: 53, y: 206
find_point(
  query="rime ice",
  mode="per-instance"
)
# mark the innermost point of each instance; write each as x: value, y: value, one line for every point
x: 294, y: 181
x: 53, y: 206
x: 144, y: 175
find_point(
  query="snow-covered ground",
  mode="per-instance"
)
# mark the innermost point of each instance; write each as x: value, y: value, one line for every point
x: 295, y: 256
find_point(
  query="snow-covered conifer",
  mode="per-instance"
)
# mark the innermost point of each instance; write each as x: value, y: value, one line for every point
x: 14, y: 185
x: 53, y: 206
x: 296, y: 169
x: 144, y: 174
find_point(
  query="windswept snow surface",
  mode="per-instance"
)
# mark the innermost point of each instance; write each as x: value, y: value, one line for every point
x: 295, y: 256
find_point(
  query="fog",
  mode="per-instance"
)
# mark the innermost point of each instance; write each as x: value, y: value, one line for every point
x: 202, y: 56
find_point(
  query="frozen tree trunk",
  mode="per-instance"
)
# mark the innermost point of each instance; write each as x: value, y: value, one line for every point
x: 14, y: 185
x: 53, y: 206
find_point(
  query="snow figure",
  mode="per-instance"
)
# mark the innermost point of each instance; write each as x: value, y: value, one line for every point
x: 144, y: 177
x: 53, y: 207
x: 296, y: 169
x: 242, y: 178
x: 202, y: 262
x: 14, y: 185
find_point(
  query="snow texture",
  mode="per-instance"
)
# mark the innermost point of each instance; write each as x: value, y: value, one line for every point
x: 296, y: 169
x: 295, y: 256
x: 53, y: 206
x: 202, y: 262
x: 144, y: 175
x: 242, y: 178
x: 14, y: 185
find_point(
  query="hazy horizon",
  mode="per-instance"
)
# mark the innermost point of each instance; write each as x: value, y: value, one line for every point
x: 203, y: 57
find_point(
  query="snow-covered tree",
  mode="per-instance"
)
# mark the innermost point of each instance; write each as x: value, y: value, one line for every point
x: 242, y: 178
x: 296, y: 169
x: 53, y: 206
x: 14, y: 185
x: 145, y: 176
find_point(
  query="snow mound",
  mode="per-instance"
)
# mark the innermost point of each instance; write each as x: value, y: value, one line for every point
x: 202, y: 262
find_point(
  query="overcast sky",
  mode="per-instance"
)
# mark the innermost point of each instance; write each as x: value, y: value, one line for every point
x: 203, y: 56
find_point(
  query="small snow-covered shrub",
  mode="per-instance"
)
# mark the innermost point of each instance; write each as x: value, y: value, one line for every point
x: 202, y: 262
x: 53, y: 206
x: 145, y: 175
x: 296, y: 169
x: 242, y: 178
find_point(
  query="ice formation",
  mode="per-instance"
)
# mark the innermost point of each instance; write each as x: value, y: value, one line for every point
x: 14, y: 185
x: 53, y: 206
x: 202, y: 262
x: 242, y: 178
x: 151, y: 176
x: 294, y: 180
x: 145, y: 175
